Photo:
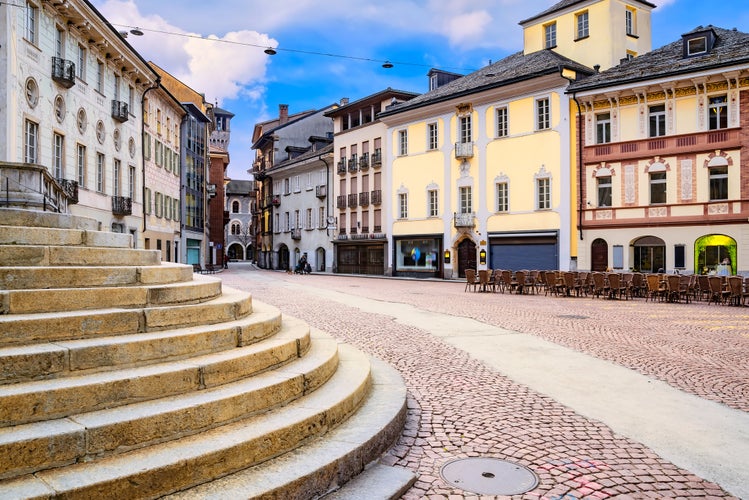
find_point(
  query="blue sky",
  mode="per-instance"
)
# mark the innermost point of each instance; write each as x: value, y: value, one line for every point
x: 217, y: 47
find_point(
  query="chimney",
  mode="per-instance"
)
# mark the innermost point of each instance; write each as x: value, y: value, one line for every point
x: 344, y: 101
x: 283, y: 113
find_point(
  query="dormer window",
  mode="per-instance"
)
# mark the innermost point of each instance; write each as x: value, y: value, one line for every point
x: 701, y: 41
x: 696, y: 46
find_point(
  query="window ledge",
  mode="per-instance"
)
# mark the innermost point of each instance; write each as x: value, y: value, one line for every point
x: 581, y: 38
x: 632, y: 35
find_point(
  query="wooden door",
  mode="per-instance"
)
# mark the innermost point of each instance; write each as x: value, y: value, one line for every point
x: 466, y: 257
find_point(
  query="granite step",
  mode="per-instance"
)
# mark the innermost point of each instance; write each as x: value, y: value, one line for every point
x: 35, y: 218
x: 70, y: 325
x: 20, y: 235
x: 24, y: 278
x: 84, y: 437
x: 200, y: 289
x: 72, y: 357
x: 39, y: 400
x: 61, y: 255
x: 168, y: 467
x: 326, y: 462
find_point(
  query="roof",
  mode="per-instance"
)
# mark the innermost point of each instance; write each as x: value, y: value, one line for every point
x: 239, y: 187
x: 731, y: 48
x: 271, y: 131
x: 515, y: 68
x: 223, y: 112
x: 376, y: 97
x: 568, y: 3
x: 309, y: 155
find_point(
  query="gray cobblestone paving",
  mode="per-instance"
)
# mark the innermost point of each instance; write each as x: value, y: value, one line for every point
x: 459, y: 407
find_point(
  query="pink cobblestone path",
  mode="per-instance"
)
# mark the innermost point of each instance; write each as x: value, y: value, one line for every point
x: 460, y: 407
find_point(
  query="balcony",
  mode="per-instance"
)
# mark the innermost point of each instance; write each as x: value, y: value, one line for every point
x: 122, y: 205
x: 275, y: 201
x: 321, y: 191
x: 463, y: 150
x: 63, y: 72
x: 342, y: 166
x: 70, y: 188
x: 663, y: 146
x: 377, y: 158
x: 364, y: 199
x: 376, y: 197
x: 119, y: 111
x: 340, y: 201
x: 364, y: 161
x: 352, y: 165
x: 464, y: 220
x: 353, y: 200
x: 296, y: 233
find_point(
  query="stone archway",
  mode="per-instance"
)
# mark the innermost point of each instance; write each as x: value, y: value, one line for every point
x: 466, y: 256
x: 599, y: 255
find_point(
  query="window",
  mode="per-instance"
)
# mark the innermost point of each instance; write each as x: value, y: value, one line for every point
x: 308, y: 223
x: 81, y: 69
x: 236, y: 228
x: 297, y: 184
x: 81, y: 161
x: 718, y: 110
x: 235, y: 207
x: 147, y: 145
x: 31, y: 142
x: 58, y: 155
x: 116, y: 178
x: 287, y: 221
x: 629, y: 22
x: 432, y: 136
x: 59, y: 43
x: 131, y: 99
x: 697, y: 46
x: 466, y: 200
x: 100, y: 172
x: 604, y: 191
x: 502, y: 125
x: 131, y: 182
x: 603, y: 128
x: 100, y: 77
x: 433, y: 82
x: 402, y: 142
x: 403, y: 206
x: 503, y: 200
x: 543, y: 193
x: 718, y: 183
x: 32, y: 22
x: 158, y: 206
x: 433, y: 208
x: 465, y: 133
x: 542, y: 114
x: 147, y: 202
x: 321, y: 214
x: 175, y: 210
x: 582, y: 25
x: 657, y: 117
x: 657, y: 188
x: 550, y: 35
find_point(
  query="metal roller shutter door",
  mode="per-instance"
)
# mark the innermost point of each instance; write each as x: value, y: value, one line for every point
x: 514, y: 256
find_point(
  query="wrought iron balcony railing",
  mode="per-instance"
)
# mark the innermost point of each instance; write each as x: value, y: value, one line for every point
x: 119, y: 111
x: 321, y: 191
x: 376, y: 197
x: 63, y: 72
x: 122, y: 205
x: 463, y: 150
x: 464, y: 220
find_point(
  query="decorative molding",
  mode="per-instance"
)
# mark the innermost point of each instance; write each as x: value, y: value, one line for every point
x: 629, y: 184
x: 464, y: 109
x: 717, y: 209
x: 657, y: 212
x: 604, y: 214
x: 686, y: 169
x: 714, y: 159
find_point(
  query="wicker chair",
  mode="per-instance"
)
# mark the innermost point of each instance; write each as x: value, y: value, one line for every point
x: 471, y: 280
x: 599, y: 285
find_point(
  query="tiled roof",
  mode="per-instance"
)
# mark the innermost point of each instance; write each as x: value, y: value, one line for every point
x: 731, y: 48
x: 311, y: 154
x: 566, y: 3
x: 512, y: 69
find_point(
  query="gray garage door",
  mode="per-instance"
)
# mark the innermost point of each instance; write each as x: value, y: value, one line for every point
x: 532, y: 252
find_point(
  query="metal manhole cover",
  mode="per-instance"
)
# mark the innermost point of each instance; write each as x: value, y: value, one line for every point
x: 489, y: 476
x: 572, y: 316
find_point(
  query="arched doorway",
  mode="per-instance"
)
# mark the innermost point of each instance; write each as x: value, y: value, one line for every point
x: 466, y: 256
x: 283, y: 257
x: 235, y: 252
x: 650, y: 254
x: 710, y: 250
x: 320, y: 259
x: 599, y: 255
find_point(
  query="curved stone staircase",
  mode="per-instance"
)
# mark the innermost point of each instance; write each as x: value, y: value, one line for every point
x: 125, y: 377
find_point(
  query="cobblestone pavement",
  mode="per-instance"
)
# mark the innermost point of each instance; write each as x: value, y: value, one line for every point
x: 460, y: 407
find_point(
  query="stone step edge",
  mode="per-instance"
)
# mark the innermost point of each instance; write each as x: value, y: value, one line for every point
x: 40, y: 400
x: 376, y: 482
x: 72, y: 325
x: 329, y: 461
x: 48, y: 278
x: 38, y: 218
x: 48, y: 360
x: 25, y: 235
x: 167, y: 467
x: 61, y: 255
x: 81, y: 438
x: 200, y: 289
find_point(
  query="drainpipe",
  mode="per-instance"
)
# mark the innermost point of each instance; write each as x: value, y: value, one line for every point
x: 579, y: 146
x: 327, y: 191
x: 156, y: 85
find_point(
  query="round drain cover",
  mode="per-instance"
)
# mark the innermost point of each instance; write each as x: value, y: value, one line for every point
x: 489, y: 476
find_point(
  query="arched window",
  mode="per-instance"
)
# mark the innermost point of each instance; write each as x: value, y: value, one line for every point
x: 235, y: 207
x: 650, y: 254
x: 236, y: 228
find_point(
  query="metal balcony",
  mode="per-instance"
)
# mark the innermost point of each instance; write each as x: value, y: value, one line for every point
x: 296, y: 233
x: 321, y: 191
x: 70, y: 188
x: 353, y: 200
x: 364, y: 199
x: 342, y: 166
x: 364, y: 161
x: 63, y: 72
x: 463, y: 150
x: 122, y: 205
x: 352, y: 165
x: 464, y: 220
x: 376, y: 197
x: 340, y: 201
x: 119, y: 111
x: 377, y: 158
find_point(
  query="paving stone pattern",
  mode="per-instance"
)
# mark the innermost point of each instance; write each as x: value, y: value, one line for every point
x: 459, y: 407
